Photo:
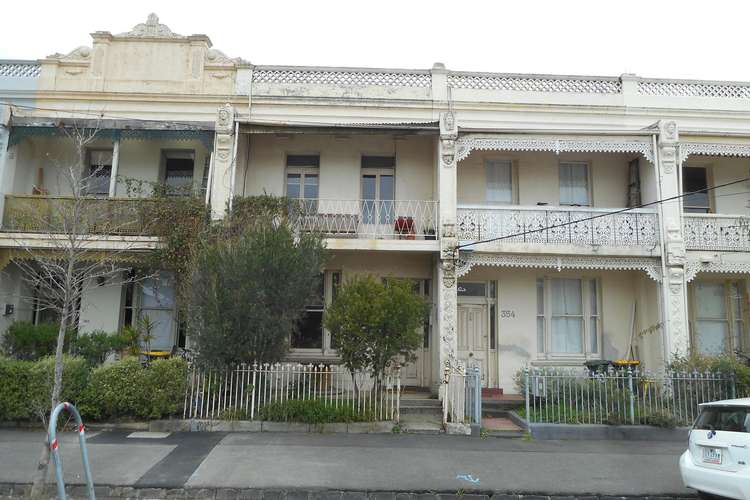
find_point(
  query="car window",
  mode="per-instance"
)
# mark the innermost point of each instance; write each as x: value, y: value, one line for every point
x: 727, y: 418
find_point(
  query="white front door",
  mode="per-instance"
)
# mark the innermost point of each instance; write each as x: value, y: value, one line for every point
x: 473, y: 336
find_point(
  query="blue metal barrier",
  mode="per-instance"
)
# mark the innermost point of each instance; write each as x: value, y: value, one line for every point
x: 54, y: 445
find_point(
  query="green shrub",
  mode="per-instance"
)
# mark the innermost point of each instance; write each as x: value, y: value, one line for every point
x: 313, y: 411
x: 25, y: 340
x: 94, y: 347
x: 26, y: 386
x: 728, y: 365
x: 127, y: 389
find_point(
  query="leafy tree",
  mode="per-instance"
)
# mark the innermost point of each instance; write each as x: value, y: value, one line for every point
x: 375, y: 322
x: 247, y: 291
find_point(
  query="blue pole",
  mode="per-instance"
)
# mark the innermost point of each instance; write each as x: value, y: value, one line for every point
x: 52, y: 433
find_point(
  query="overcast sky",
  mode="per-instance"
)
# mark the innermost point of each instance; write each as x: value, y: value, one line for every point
x: 656, y: 38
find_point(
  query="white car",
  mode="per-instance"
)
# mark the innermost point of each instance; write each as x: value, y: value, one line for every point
x: 717, y: 461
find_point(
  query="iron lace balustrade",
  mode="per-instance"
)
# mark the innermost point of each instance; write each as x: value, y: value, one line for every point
x: 370, y: 219
x: 558, y: 225
x: 51, y: 214
x: 717, y: 232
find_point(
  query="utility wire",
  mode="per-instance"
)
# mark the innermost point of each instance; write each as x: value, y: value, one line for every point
x: 605, y: 214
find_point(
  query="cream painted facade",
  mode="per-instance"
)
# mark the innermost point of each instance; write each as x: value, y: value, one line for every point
x: 543, y: 216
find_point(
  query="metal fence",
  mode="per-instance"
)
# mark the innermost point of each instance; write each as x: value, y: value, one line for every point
x: 242, y: 392
x: 621, y: 396
x: 462, y: 402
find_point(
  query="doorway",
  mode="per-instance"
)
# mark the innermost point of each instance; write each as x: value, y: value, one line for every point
x: 476, y: 328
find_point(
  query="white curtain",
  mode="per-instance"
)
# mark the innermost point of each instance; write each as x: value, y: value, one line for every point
x: 499, y: 181
x: 157, y: 301
x: 711, y: 325
x: 566, y: 316
x: 574, y: 184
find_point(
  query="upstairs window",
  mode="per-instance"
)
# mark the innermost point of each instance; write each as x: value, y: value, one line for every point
x: 302, y: 180
x: 378, y: 190
x: 499, y: 176
x: 574, y: 184
x: 99, y: 172
x: 178, y: 172
x: 695, y: 179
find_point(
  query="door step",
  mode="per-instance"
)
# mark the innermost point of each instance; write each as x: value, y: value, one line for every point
x: 501, y: 427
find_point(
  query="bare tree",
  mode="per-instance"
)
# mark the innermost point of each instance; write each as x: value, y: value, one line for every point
x: 63, y: 261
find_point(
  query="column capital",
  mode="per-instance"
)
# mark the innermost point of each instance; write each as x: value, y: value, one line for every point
x: 225, y: 119
x: 669, y: 134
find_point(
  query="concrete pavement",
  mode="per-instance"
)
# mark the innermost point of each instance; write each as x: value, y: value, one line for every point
x: 357, y: 462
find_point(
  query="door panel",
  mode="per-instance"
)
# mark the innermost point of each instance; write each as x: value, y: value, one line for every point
x: 473, y: 337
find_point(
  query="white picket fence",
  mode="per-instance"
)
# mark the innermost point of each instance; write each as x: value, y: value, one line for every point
x: 241, y: 392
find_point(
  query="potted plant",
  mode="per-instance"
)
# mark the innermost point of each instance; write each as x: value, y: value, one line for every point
x: 429, y: 232
x: 405, y: 228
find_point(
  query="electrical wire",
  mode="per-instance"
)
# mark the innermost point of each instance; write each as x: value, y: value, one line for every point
x: 604, y: 214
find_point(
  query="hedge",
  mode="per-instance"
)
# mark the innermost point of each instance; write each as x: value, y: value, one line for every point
x: 120, y: 390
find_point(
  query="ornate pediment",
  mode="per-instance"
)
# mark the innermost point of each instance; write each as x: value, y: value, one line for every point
x: 150, y: 29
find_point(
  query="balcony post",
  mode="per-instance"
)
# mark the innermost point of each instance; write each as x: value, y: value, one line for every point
x: 115, y: 165
x: 446, y: 270
x: 7, y: 157
x: 674, y: 287
x: 220, y: 183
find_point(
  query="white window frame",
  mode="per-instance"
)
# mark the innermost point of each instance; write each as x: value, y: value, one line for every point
x: 513, y: 180
x: 544, y: 351
x: 589, y: 192
x: 733, y: 315
x: 177, y: 154
x: 90, y: 173
x: 709, y: 182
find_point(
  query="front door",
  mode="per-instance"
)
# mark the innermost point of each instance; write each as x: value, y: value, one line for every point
x: 473, y: 336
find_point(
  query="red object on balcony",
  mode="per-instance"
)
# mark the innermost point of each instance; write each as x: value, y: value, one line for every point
x: 404, y: 225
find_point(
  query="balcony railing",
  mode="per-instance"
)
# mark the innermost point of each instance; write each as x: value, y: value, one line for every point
x: 558, y: 225
x: 717, y: 232
x: 372, y: 219
x: 54, y: 214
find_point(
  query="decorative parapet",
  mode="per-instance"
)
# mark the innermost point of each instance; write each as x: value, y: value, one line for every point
x: 693, y: 88
x: 20, y: 69
x: 341, y: 76
x: 535, y: 83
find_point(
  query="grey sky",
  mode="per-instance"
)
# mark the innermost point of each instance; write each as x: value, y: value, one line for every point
x: 658, y: 38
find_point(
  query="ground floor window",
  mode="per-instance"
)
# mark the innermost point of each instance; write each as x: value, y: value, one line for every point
x: 568, y: 319
x: 309, y: 334
x: 150, y: 303
x: 718, y: 317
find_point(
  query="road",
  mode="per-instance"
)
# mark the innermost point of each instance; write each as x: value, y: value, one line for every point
x: 357, y: 462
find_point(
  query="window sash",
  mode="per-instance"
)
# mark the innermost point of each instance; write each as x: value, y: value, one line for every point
x: 499, y: 178
x: 568, y: 317
x: 574, y: 183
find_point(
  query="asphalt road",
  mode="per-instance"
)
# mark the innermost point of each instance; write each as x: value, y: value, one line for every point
x: 357, y: 461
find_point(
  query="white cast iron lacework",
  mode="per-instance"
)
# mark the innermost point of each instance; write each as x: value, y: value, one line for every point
x: 712, y: 149
x: 693, y: 89
x: 636, y: 228
x: 488, y: 81
x: 10, y: 69
x: 342, y: 77
x: 649, y: 265
x: 466, y: 144
x: 692, y: 268
x: 717, y: 232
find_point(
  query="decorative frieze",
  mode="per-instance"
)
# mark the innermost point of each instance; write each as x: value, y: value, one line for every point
x: 344, y: 77
x: 531, y: 83
x: 466, y: 144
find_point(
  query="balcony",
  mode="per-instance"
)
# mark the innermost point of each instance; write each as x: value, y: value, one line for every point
x: 368, y: 219
x: 635, y: 229
x: 717, y: 232
x: 51, y: 214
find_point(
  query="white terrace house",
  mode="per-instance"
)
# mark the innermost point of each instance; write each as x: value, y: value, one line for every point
x: 525, y: 207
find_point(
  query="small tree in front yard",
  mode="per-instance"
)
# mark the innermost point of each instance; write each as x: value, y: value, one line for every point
x: 248, y: 289
x: 374, y: 323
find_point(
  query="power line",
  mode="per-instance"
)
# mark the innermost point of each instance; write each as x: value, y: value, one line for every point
x: 605, y: 214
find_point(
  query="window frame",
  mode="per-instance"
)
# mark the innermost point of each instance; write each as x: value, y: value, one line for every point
x: 730, y: 317
x: 545, y: 352
x: 177, y: 154
x: 708, y: 168
x: 89, y: 173
x: 513, y: 179
x: 329, y: 282
x: 589, y: 183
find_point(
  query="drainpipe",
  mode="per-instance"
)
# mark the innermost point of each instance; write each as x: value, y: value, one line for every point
x: 662, y: 257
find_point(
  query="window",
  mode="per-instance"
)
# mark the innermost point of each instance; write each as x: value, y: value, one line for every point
x: 574, y: 183
x: 568, y: 319
x: 99, y: 172
x: 178, y: 172
x: 378, y: 190
x: 157, y: 302
x: 719, y: 326
x: 309, y: 331
x: 302, y: 174
x: 499, y: 175
x: 724, y: 418
x: 695, y: 179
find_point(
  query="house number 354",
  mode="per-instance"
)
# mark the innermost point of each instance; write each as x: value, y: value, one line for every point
x: 508, y: 313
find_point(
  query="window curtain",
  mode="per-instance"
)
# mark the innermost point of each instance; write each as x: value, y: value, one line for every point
x: 574, y: 184
x: 711, y: 325
x: 158, y: 301
x: 499, y: 181
x: 566, y: 315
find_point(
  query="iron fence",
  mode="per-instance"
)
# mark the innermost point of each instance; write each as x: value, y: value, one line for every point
x: 621, y: 396
x: 462, y: 402
x: 243, y: 391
